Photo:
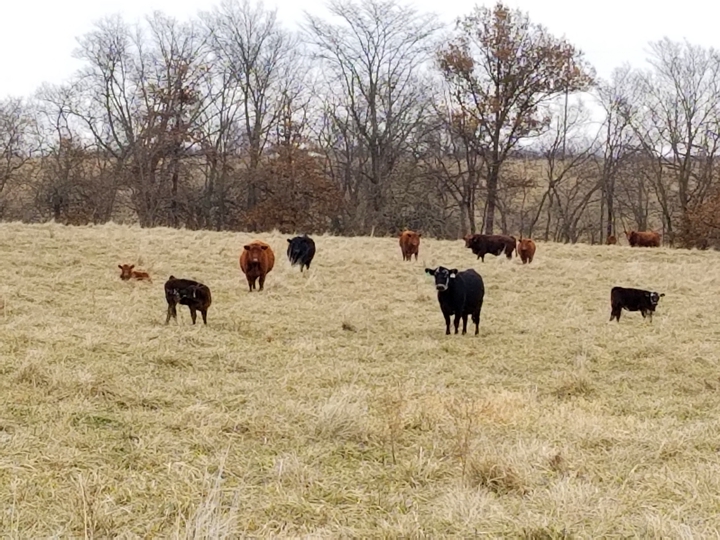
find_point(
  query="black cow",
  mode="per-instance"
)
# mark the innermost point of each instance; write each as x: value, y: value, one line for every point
x: 493, y: 244
x: 187, y: 292
x: 460, y: 294
x: 301, y: 250
x: 633, y: 300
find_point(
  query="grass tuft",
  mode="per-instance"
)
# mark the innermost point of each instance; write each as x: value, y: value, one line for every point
x: 494, y: 474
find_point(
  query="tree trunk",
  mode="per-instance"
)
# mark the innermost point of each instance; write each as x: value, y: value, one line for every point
x: 492, y: 188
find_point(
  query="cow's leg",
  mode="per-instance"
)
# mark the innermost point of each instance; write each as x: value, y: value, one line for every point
x: 447, y: 324
x: 476, y: 320
x: 171, y: 312
x: 250, y: 283
x: 193, y: 313
x: 464, y: 319
x: 262, y: 281
x: 615, y: 313
x: 650, y: 313
x: 203, y: 312
x: 643, y: 313
x: 456, y: 322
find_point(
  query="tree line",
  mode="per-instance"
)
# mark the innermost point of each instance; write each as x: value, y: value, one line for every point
x: 367, y: 121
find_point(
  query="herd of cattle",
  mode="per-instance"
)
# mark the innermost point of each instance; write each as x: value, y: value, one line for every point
x: 459, y: 293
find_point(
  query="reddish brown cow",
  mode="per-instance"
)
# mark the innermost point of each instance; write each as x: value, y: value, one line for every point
x: 526, y: 250
x: 256, y: 260
x: 611, y: 240
x: 494, y: 244
x: 643, y: 238
x: 127, y: 272
x: 410, y: 244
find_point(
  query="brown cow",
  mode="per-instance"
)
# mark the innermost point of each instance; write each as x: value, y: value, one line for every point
x: 611, y: 240
x: 127, y: 272
x: 256, y: 260
x: 526, y: 250
x: 643, y: 238
x: 410, y: 244
x: 494, y: 244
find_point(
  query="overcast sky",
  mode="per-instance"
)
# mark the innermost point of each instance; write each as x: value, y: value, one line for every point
x: 37, y: 37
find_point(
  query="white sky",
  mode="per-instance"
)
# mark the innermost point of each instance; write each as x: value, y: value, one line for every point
x: 37, y: 37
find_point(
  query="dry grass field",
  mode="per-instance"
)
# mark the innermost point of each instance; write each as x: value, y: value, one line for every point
x: 333, y: 405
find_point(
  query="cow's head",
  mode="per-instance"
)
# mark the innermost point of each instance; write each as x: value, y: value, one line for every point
x: 254, y: 252
x: 654, y: 298
x: 442, y: 277
x: 125, y: 271
x: 468, y: 240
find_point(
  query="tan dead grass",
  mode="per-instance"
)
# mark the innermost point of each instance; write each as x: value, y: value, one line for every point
x: 333, y: 405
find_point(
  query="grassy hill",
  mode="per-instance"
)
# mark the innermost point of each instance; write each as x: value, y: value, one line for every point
x: 332, y: 404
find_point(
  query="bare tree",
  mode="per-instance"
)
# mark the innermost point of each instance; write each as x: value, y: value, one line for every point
x: 456, y: 161
x: 371, y: 61
x: 262, y: 61
x: 568, y: 149
x: 505, y: 68
x: 138, y: 97
x: 17, y: 145
x: 678, y: 126
x: 616, y: 97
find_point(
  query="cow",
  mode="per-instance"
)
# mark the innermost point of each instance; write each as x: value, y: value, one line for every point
x: 127, y: 272
x: 526, y: 250
x: 611, y: 240
x: 187, y: 292
x: 643, y: 238
x: 633, y: 300
x: 409, y: 244
x: 460, y: 294
x: 256, y: 260
x: 301, y: 250
x: 494, y: 244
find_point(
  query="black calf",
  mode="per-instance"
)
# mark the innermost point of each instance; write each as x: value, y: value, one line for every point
x: 633, y: 300
x: 187, y: 292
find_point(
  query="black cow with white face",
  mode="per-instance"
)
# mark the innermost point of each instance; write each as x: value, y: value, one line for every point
x: 633, y: 300
x: 460, y: 294
x: 301, y: 250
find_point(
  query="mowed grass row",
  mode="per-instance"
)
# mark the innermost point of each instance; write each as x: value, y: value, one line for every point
x: 333, y: 405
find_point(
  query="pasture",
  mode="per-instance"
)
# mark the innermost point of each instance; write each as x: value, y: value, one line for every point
x: 333, y: 405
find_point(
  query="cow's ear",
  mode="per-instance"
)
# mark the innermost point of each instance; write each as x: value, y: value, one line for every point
x: 289, y: 240
x: 264, y: 247
x: 120, y: 266
x: 661, y: 295
x: 247, y: 247
x: 419, y: 235
x: 131, y: 267
x: 430, y: 271
x: 453, y: 272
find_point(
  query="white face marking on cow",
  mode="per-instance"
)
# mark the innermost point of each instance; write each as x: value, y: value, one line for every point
x: 442, y: 279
